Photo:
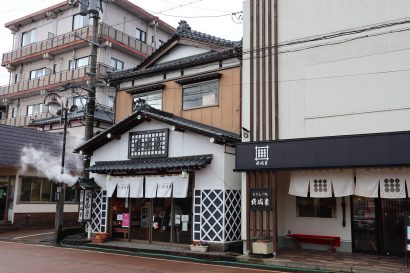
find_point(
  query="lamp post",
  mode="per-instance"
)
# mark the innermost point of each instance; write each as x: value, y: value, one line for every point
x: 56, y: 107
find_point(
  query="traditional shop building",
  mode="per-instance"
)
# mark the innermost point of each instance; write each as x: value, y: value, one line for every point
x: 325, y: 117
x: 166, y: 167
x: 165, y: 179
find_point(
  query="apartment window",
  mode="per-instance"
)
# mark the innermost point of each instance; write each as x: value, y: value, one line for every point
x: 80, y: 62
x: 79, y: 101
x: 200, y: 94
x: 16, y: 78
x: 42, y: 190
x: 28, y: 37
x: 35, y: 109
x: 80, y: 21
x: 316, y: 207
x: 153, y: 99
x: 14, y: 112
x: 141, y: 35
x: 38, y: 73
x: 117, y: 64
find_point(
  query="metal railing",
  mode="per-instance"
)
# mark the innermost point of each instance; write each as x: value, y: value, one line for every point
x: 105, y: 32
x: 53, y: 80
x: 23, y: 121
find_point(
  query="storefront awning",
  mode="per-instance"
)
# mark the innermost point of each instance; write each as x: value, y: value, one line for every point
x: 153, y: 165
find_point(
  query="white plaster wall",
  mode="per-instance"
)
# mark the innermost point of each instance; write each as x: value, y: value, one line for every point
x: 288, y: 221
x: 352, y: 87
x: 213, y: 176
x: 181, y: 51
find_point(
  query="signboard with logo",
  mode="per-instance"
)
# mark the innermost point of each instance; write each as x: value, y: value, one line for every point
x: 260, y: 199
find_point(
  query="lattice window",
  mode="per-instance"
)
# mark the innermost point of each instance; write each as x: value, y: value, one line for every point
x: 148, y: 144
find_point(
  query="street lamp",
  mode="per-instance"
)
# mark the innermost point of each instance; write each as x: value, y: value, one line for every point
x: 56, y: 107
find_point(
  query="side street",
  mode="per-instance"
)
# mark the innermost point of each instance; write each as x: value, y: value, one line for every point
x: 193, y: 136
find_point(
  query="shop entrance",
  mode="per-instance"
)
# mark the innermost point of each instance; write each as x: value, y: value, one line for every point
x: 165, y: 220
x: 378, y: 225
x: 3, y: 203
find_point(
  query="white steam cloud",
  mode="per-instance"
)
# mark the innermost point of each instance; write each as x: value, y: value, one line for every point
x: 48, y: 164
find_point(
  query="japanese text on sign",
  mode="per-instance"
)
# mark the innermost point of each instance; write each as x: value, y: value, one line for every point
x: 260, y: 199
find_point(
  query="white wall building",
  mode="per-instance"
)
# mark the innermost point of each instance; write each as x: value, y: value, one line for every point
x: 321, y: 75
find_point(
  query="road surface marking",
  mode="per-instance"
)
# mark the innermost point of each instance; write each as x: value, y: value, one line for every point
x: 33, y: 235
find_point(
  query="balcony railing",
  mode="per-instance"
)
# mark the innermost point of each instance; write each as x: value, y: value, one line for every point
x: 61, y: 42
x: 22, y: 121
x: 48, y: 45
x: 51, y: 81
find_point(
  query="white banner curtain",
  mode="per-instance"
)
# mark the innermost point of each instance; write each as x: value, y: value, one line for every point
x: 299, y: 183
x: 123, y: 188
x: 342, y: 182
x: 180, y: 186
x: 367, y: 182
x: 320, y: 184
x: 136, y: 186
x: 164, y: 186
x: 151, y: 183
x: 111, y: 184
x: 392, y: 183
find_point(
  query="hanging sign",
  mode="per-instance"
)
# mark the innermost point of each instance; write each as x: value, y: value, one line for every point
x: 84, y: 207
x: 260, y: 199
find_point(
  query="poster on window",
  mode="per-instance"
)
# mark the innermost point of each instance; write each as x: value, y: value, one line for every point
x: 260, y: 199
x: 125, y: 220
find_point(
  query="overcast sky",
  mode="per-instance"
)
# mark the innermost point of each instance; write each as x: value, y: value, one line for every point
x: 210, y: 16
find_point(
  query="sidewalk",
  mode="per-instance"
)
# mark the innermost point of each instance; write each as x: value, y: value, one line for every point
x: 288, y: 259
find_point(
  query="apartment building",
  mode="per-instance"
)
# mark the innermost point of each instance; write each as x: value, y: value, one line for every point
x: 325, y: 110
x: 51, y: 50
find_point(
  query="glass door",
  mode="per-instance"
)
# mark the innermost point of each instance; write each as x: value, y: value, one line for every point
x: 161, y: 220
x: 364, y: 226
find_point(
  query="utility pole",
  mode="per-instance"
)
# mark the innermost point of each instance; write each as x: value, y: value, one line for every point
x: 93, y: 9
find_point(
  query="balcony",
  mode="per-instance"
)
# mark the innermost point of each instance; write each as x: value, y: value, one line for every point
x: 25, y: 88
x: 23, y: 121
x: 66, y: 42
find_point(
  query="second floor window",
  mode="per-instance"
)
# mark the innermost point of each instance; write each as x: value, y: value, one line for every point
x: 200, y: 95
x: 117, y: 64
x: 38, y: 73
x: 77, y: 63
x: 80, y: 21
x: 35, y: 109
x: 14, y: 112
x: 43, y: 190
x: 141, y: 35
x: 28, y: 37
x: 153, y: 99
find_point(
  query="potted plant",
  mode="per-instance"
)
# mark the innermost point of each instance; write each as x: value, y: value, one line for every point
x: 199, y: 246
x: 262, y: 246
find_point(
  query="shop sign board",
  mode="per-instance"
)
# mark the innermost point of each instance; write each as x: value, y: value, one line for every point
x: 84, y: 207
x: 260, y: 199
x: 125, y: 220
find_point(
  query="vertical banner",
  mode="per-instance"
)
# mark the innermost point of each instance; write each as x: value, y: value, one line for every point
x: 88, y: 198
x: 81, y: 207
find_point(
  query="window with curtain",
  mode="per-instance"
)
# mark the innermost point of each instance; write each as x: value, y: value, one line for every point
x: 28, y: 37
x: 200, y: 94
x: 80, y: 21
x: 153, y: 99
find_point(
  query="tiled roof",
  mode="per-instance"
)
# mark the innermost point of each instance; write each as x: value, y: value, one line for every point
x: 152, y: 164
x: 227, y: 49
x: 146, y: 112
x: 99, y: 115
x: 175, y: 64
x: 13, y: 139
x: 86, y: 184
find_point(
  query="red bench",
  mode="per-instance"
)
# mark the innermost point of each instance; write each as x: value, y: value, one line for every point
x: 331, y: 241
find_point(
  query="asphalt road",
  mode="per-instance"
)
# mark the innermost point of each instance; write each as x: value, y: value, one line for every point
x: 29, y: 258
